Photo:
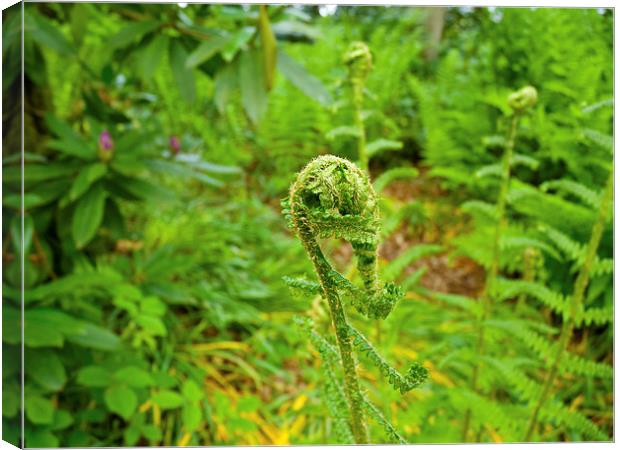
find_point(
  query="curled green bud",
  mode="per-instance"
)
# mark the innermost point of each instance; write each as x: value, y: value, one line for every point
x: 523, y: 99
x: 333, y: 198
x: 359, y: 60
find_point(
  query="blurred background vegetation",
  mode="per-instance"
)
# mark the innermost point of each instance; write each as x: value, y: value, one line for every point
x: 159, y: 140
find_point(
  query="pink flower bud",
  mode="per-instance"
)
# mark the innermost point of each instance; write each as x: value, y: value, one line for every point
x: 106, y: 146
x: 175, y: 145
x: 105, y: 141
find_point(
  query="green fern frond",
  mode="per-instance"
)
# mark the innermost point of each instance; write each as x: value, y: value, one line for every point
x: 412, y: 280
x: 519, y: 159
x: 302, y: 285
x: 572, y: 249
x: 554, y: 300
x: 576, y: 251
x: 468, y: 304
x: 416, y: 375
x: 333, y: 394
x: 602, y: 267
x: 479, y: 207
x: 580, y: 366
x: 602, y: 140
x: 389, y: 429
x: 554, y: 412
x: 571, y: 363
x: 523, y: 242
x: 526, y: 388
x: 489, y: 412
x: 491, y: 170
x: 390, y: 175
x: 395, y: 267
x: 595, y: 316
x: 583, y: 193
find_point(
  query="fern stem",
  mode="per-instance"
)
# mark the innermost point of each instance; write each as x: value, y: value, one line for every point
x: 339, y: 321
x: 576, y: 305
x: 358, y: 101
x: 529, y: 273
x: 489, y: 293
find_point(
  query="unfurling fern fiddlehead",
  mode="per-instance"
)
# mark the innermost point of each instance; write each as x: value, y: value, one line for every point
x: 576, y: 303
x: 519, y: 102
x: 359, y: 61
x: 331, y: 197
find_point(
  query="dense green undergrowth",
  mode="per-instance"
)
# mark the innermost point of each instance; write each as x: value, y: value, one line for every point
x: 161, y: 280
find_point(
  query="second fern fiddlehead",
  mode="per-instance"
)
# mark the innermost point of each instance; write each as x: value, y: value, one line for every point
x: 519, y: 102
x: 359, y: 61
x: 332, y: 198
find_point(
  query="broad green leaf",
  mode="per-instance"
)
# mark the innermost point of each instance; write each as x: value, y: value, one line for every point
x: 16, y: 233
x: 182, y: 171
x: 46, y: 368
x: 146, y: 190
x: 132, y: 33
x: 226, y: 82
x: 121, y: 400
x: 73, y: 148
x: 268, y: 47
x: 46, y: 327
x: 41, y: 438
x: 86, y: 178
x: 183, y: 76
x: 47, y: 34
x: 97, y: 338
x: 11, y: 399
x: 62, y: 129
x: 299, y: 76
x: 149, y: 58
x: 191, y: 416
x: 131, y: 435
x: 249, y: 403
x: 205, y: 51
x: 134, y: 377
x: 94, y: 376
x: 152, y: 433
x: 87, y: 215
x: 39, y: 172
x: 152, y: 306
x: 11, y: 324
x: 62, y: 420
x: 53, y: 317
x: 129, y: 165
x: 191, y: 391
x: 251, y: 80
x: 235, y: 42
x: 39, y: 410
x: 153, y: 325
x: 44, y: 193
x: 167, y: 399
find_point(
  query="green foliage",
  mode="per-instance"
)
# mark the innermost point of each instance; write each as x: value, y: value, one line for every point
x: 158, y: 139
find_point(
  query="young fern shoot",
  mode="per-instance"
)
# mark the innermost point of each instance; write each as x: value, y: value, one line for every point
x: 359, y: 61
x: 576, y: 304
x: 519, y: 102
x: 332, y: 198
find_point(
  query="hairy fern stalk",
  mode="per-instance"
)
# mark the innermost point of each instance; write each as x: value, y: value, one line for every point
x: 332, y: 198
x: 519, y: 102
